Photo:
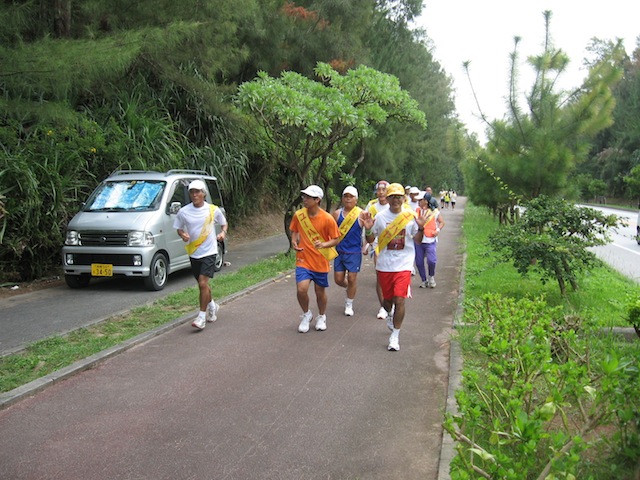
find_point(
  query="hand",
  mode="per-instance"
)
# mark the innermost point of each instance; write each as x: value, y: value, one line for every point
x: 367, y: 219
x: 421, y: 219
x: 185, y: 237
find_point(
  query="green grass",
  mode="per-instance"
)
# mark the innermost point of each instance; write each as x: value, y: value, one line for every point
x: 52, y: 354
x: 602, y: 295
x: 601, y: 301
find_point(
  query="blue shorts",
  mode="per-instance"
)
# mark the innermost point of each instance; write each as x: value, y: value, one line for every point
x: 348, y: 262
x: 320, y: 278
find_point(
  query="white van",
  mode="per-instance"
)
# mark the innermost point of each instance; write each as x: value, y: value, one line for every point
x: 126, y: 228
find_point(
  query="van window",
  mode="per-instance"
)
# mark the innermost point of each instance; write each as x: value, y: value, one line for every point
x: 216, y: 198
x: 126, y: 195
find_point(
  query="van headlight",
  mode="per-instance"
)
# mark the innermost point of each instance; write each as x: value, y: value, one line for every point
x: 140, y: 239
x: 72, y: 238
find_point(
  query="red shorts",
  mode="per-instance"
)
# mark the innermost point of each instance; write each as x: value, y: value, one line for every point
x: 395, y: 284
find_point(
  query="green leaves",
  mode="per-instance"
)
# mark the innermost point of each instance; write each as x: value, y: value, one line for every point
x: 551, y: 238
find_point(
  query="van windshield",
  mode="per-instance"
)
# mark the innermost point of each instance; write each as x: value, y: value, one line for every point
x: 126, y: 196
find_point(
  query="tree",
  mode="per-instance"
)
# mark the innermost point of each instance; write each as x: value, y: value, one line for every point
x: 309, y: 123
x: 535, y: 149
x: 552, y: 238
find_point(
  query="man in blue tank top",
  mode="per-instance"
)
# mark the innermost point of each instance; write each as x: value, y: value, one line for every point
x: 347, y: 264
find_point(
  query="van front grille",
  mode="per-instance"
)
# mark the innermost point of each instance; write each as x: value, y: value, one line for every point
x: 100, y: 239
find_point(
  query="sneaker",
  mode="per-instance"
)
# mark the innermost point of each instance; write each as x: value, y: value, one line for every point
x: 199, y: 323
x: 321, y: 323
x: 305, y: 321
x: 212, y: 312
x: 394, y: 343
x: 382, y: 313
x: 348, y: 310
x: 432, y: 282
x: 424, y: 284
x: 390, y: 323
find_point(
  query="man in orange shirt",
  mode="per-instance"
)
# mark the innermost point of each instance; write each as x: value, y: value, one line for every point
x: 314, y: 233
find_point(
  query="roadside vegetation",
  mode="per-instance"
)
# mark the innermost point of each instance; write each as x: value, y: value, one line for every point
x: 548, y: 392
x: 49, y: 355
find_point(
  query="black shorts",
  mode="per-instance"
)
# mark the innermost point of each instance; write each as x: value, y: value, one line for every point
x: 203, y: 266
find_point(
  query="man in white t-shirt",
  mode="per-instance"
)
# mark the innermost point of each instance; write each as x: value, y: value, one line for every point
x: 397, y: 229
x: 195, y: 224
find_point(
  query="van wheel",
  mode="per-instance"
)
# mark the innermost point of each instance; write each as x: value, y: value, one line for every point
x: 77, y: 281
x: 219, y: 257
x: 158, y: 273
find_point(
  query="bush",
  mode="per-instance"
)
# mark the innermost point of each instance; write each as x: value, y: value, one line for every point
x: 542, y: 395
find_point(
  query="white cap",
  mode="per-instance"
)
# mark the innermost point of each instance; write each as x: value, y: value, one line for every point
x: 197, y: 185
x: 313, y: 191
x: 414, y: 190
x: 420, y: 195
x: 350, y: 190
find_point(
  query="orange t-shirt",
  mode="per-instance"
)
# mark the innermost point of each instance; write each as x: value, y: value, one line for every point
x: 310, y: 258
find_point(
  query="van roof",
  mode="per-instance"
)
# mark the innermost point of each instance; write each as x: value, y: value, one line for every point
x: 153, y: 175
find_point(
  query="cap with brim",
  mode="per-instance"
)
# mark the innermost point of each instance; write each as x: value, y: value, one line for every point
x: 382, y: 183
x: 420, y: 195
x: 313, y: 191
x: 351, y: 191
x: 414, y: 190
x: 197, y: 185
x: 395, y: 189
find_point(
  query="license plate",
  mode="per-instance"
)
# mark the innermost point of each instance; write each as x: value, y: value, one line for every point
x: 102, y: 270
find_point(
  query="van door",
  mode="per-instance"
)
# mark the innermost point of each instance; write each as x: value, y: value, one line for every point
x: 178, y: 257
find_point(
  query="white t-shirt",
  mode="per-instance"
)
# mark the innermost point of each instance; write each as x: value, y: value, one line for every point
x: 192, y: 219
x: 399, y: 254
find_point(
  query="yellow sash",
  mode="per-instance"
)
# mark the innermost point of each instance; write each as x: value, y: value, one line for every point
x: 207, y: 228
x: 349, y: 220
x: 393, y: 229
x: 313, y: 235
x: 371, y: 207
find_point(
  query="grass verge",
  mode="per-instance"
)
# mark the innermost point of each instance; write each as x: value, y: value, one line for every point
x: 545, y: 387
x: 46, y: 356
x: 602, y: 295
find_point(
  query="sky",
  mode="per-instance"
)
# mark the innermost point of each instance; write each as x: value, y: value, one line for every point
x: 482, y: 32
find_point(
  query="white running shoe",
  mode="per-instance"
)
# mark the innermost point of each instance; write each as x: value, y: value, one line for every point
x: 199, y: 323
x: 321, y: 323
x: 305, y: 321
x: 390, y: 323
x: 394, y: 343
x: 424, y: 284
x: 432, y: 282
x: 348, y: 310
x: 212, y: 312
x: 382, y: 313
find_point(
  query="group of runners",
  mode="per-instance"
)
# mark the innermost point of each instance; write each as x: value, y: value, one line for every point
x: 392, y: 231
x: 398, y: 228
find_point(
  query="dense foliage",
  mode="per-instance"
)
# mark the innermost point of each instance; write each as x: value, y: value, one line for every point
x: 552, y: 238
x: 91, y: 86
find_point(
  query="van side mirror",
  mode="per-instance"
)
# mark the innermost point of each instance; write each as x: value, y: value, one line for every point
x: 174, y: 207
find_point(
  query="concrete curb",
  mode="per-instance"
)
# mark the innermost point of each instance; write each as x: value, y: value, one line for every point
x: 31, y: 388
x: 447, y: 450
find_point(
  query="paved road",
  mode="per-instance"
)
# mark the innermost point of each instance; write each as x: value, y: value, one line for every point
x: 33, y: 316
x: 251, y: 398
x: 623, y: 253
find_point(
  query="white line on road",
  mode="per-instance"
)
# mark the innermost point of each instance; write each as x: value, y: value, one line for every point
x: 636, y: 252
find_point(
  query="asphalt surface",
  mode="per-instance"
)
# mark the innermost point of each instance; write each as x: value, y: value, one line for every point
x: 34, y: 316
x: 251, y: 398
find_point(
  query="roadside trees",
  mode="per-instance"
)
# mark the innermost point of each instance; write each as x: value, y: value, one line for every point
x: 307, y: 124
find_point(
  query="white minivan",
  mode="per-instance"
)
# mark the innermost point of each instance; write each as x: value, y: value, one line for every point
x: 126, y: 228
